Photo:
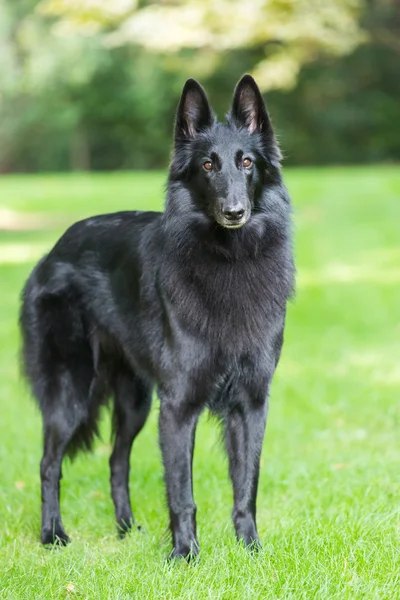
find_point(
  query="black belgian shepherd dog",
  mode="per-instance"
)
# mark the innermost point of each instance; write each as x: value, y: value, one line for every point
x: 192, y: 300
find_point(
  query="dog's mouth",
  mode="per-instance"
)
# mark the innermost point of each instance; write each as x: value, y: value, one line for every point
x: 232, y: 223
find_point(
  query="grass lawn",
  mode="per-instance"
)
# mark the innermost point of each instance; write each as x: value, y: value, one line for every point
x: 329, y: 497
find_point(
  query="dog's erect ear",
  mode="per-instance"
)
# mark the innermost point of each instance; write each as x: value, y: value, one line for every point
x: 249, y: 111
x: 248, y: 108
x: 194, y: 113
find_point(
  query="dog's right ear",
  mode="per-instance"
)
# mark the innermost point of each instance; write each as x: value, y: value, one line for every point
x: 194, y: 113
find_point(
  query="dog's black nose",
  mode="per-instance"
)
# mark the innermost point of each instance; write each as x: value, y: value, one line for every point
x: 233, y: 214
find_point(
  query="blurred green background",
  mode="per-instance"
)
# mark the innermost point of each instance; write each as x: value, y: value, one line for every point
x: 90, y: 84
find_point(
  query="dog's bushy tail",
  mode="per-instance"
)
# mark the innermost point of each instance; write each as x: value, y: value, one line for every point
x: 58, y: 362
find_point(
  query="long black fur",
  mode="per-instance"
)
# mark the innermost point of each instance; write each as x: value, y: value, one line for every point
x: 191, y: 300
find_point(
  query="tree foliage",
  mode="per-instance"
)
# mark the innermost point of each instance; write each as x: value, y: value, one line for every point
x: 80, y: 90
x: 291, y: 32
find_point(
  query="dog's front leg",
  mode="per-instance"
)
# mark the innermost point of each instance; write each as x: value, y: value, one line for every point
x: 245, y: 427
x: 177, y: 430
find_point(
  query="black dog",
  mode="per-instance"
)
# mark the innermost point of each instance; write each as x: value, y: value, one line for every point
x: 192, y: 299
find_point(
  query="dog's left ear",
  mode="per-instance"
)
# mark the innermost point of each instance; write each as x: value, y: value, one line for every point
x: 249, y: 111
x: 248, y: 108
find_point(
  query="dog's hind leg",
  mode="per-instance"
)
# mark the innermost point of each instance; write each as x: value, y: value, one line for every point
x: 59, y: 363
x: 132, y: 401
x: 61, y: 421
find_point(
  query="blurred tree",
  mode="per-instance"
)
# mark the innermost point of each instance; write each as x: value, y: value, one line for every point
x: 291, y: 32
x: 71, y: 102
x: 76, y: 93
x: 38, y: 120
x: 347, y: 110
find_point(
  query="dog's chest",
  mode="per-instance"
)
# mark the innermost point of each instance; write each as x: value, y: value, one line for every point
x: 231, y: 306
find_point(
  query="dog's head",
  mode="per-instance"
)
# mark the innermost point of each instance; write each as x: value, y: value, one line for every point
x: 224, y: 166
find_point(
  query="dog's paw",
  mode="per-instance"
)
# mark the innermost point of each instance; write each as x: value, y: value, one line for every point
x: 55, y: 536
x: 124, y: 526
x: 188, y: 552
x: 251, y: 542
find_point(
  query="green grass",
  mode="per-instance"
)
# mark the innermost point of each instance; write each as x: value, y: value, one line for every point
x: 328, y: 507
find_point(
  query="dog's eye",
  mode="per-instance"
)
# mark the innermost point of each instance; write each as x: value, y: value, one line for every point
x: 247, y: 162
x: 208, y: 166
